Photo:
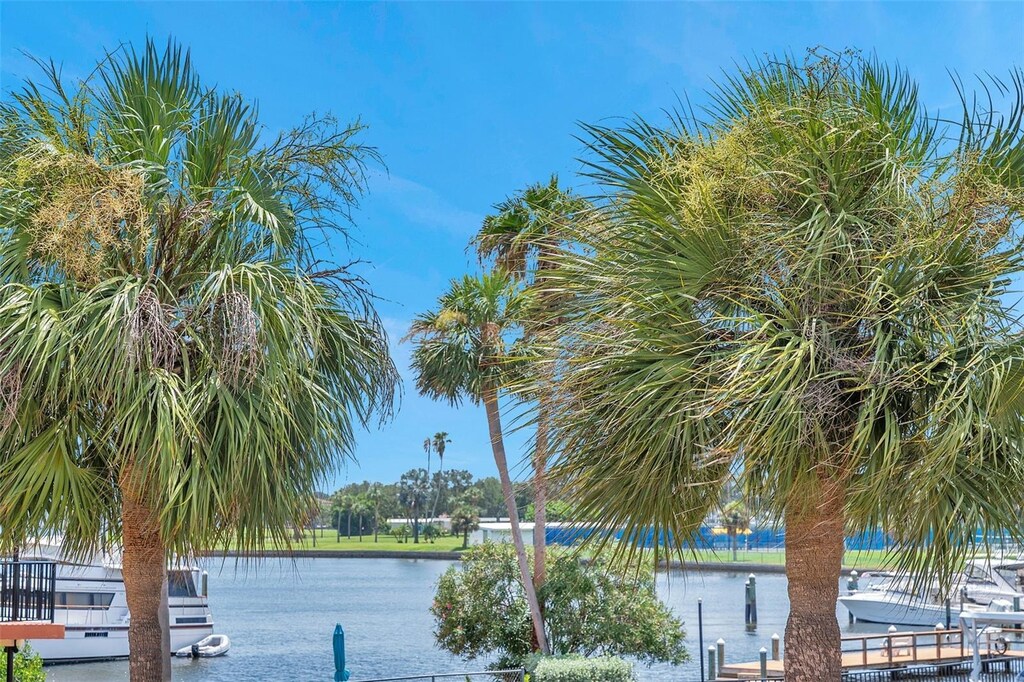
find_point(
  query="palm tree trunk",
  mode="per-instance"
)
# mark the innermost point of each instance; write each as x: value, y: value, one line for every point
x: 540, y: 496
x: 490, y: 396
x: 350, y: 525
x: 735, y: 545
x: 465, y: 537
x: 376, y: 523
x: 360, y: 528
x: 337, y: 517
x: 814, y: 557
x: 144, y: 569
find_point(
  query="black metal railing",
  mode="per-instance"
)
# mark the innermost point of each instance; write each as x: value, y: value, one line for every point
x: 27, y: 590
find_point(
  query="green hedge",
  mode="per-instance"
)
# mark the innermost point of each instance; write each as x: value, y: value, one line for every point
x: 579, y: 669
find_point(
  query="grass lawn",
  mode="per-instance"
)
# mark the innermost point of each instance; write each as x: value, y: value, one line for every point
x: 863, y: 560
x: 385, y: 543
x: 860, y: 560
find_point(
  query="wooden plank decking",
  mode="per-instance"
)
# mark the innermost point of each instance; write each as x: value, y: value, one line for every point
x: 883, y: 651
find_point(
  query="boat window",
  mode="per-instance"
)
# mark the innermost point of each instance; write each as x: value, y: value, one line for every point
x: 191, y: 620
x: 83, y: 599
x: 180, y: 584
x: 977, y: 574
x: 96, y: 634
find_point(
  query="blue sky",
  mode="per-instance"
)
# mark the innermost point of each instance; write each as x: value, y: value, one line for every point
x: 469, y: 102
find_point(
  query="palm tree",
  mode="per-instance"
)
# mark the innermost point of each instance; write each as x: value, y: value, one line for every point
x: 463, y: 351
x: 363, y: 507
x: 374, y: 495
x: 440, y: 442
x: 810, y: 288
x: 413, y: 491
x: 178, y: 371
x: 427, y: 447
x: 736, y: 520
x: 523, y: 238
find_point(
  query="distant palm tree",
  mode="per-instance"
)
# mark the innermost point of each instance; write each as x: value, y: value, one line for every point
x: 374, y: 495
x: 427, y: 447
x: 176, y: 367
x: 360, y: 507
x: 736, y: 519
x: 463, y: 350
x: 413, y: 491
x: 809, y: 289
x: 523, y: 238
x: 440, y: 442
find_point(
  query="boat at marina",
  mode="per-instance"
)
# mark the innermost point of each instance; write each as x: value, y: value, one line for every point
x: 903, y: 600
x: 89, y: 600
x: 208, y: 647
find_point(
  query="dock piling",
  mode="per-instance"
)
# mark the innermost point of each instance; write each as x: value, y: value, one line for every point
x: 750, y: 598
x: 720, y: 644
x: 776, y: 649
x: 711, y: 663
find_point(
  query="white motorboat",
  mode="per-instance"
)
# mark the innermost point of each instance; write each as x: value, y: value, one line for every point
x: 89, y: 600
x: 900, y: 600
x: 209, y: 647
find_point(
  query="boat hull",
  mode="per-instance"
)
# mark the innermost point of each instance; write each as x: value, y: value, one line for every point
x: 879, y: 608
x: 108, y: 642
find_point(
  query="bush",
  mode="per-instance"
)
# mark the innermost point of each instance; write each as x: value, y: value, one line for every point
x: 580, y: 669
x: 592, y: 609
x: 28, y: 666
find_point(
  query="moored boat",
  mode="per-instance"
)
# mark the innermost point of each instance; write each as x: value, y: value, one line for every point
x: 208, y: 647
x: 89, y: 600
x: 902, y: 600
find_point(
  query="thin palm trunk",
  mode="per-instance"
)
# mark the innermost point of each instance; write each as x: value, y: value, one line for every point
x: 144, y: 569
x: 337, y: 517
x: 814, y: 557
x: 490, y: 399
x: 360, y: 528
x: 415, y: 526
x: 376, y: 523
x: 437, y: 495
x: 540, y: 495
x: 350, y: 525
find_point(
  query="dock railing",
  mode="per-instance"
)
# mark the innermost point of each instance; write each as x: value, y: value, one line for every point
x: 27, y: 590
x: 517, y: 675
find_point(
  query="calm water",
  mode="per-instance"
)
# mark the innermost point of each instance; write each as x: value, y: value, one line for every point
x: 280, y: 617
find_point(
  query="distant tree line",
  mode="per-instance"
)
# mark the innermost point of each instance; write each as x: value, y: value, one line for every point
x: 359, y: 509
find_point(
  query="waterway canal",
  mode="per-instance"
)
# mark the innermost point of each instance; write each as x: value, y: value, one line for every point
x: 280, y: 616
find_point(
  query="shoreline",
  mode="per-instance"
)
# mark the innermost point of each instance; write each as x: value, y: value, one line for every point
x: 714, y: 566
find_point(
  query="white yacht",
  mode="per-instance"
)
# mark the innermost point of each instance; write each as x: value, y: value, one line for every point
x: 899, y: 600
x: 89, y: 601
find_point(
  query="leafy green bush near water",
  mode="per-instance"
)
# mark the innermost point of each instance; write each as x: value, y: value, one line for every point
x: 593, y: 609
x: 28, y: 666
x: 580, y: 669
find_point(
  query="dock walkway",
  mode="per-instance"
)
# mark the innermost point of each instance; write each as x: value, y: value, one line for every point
x: 888, y: 651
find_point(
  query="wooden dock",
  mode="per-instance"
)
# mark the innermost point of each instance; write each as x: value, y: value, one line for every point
x: 863, y: 653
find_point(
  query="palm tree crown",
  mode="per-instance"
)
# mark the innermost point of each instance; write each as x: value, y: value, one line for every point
x: 181, y: 361
x: 813, y: 281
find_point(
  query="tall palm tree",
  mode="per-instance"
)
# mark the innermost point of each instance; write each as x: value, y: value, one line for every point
x: 811, y: 284
x: 413, y: 491
x: 440, y: 442
x: 523, y: 238
x: 360, y: 507
x: 427, y: 448
x: 178, y: 370
x: 463, y: 350
x: 736, y: 519
x: 374, y: 495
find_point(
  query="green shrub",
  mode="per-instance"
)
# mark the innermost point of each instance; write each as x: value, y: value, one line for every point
x: 580, y: 669
x: 28, y: 667
x: 591, y: 609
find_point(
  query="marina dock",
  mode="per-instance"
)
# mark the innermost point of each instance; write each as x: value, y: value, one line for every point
x: 941, y: 649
